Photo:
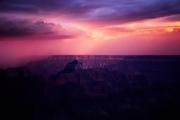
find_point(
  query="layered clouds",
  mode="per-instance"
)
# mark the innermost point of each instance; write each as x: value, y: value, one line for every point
x: 112, y: 11
x: 27, y: 29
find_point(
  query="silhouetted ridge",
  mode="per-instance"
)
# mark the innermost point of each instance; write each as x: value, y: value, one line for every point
x: 68, y: 68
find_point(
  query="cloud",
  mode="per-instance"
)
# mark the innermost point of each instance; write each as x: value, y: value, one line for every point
x: 136, y: 11
x: 98, y: 13
x: 27, y: 28
x: 173, y: 18
x: 17, y: 8
x: 44, y: 6
x: 102, y: 12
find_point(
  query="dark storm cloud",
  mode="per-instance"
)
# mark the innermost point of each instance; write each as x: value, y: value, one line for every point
x: 139, y: 11
x: 27, y: 28
x: 16, y: 8
x: 45, y: 6
x: 97, y: 11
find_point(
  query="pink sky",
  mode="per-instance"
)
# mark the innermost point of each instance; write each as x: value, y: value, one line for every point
x: 33, y: 28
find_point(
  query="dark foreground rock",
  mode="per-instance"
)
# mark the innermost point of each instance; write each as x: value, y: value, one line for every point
x: 86, y: 94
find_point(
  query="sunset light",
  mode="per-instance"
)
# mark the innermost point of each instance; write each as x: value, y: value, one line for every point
x: 85, y: 27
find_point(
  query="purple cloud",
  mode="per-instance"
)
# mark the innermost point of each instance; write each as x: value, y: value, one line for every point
x: 27, y: 28
x: 93, y: 10
x: 97, y: 12
x: 134, y: 11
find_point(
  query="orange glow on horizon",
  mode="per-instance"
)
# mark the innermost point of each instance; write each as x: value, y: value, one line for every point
x: 148, y: 27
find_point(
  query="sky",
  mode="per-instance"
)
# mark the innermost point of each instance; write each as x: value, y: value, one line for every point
x: 93, y: 27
